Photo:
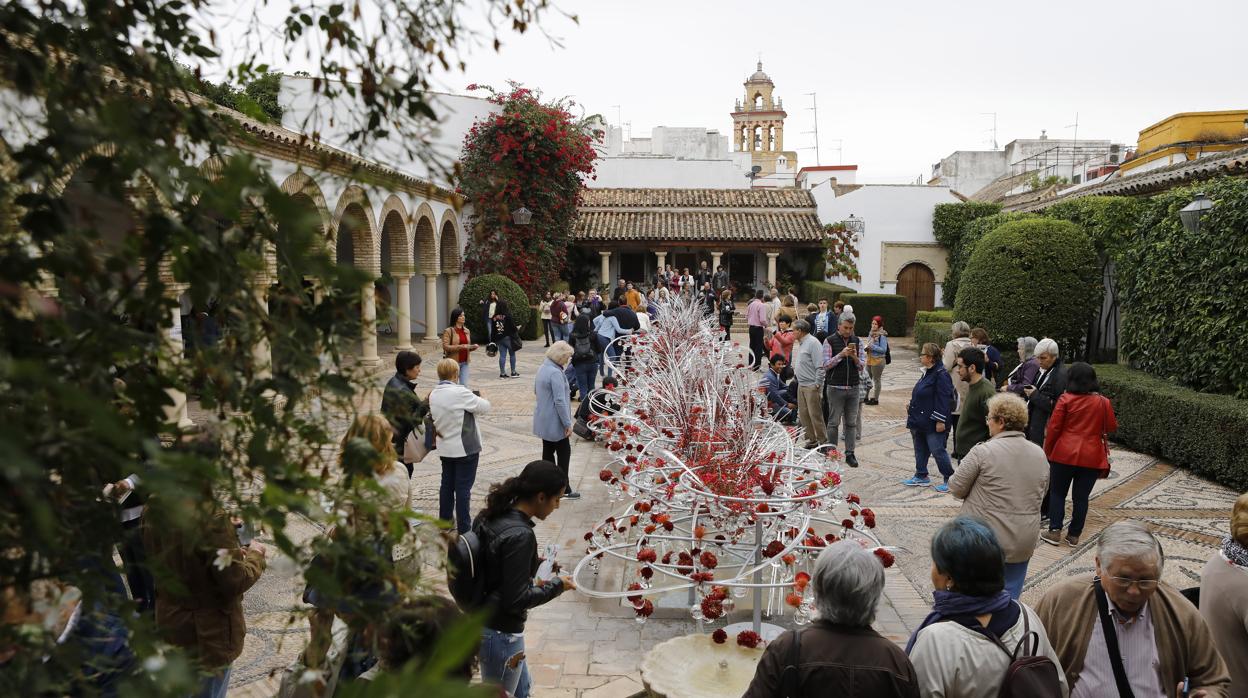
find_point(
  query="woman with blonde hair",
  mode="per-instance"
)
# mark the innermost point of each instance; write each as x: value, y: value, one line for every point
x: 454, y: 409
x: 1224, y: 598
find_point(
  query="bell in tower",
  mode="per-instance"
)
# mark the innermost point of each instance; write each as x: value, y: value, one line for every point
x: 758, y: 122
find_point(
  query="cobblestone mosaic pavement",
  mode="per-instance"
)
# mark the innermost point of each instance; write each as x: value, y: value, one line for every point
x: 578, y: 647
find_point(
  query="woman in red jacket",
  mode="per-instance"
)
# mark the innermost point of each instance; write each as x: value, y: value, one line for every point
x: 1077, y: 447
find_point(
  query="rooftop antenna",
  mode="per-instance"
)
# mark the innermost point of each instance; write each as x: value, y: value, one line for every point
x: 814, y: 106
x: 1074, y: 146
x: 618, y: 114
x: 994, y: 127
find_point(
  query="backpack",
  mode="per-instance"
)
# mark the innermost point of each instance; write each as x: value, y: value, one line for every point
x: 888, y: 355
x: 467, y: 562
x: 1029, y: 675
x: 583, y: 349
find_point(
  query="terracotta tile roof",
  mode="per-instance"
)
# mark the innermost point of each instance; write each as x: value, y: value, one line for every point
x: 1233, y: 162
x: 699, y: 226
x: 697, y: 198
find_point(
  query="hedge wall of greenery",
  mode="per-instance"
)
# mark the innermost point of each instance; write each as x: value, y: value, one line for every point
x: 944, y: 315
x: 890, y: 307
x: 478, y: 289
x: 1184, y: 314
x: 948, y: 223
x: 1205, y: 433
x: 1110, y: 221
x: 1037, y: 277
x: 937, y: 332
x: 960, y: 255
x: 813, y: 291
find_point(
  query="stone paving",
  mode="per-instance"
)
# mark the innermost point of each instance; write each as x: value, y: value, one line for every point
x: 591, y: 648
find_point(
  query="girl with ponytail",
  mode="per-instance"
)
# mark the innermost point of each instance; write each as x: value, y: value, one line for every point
x: 506, y: 525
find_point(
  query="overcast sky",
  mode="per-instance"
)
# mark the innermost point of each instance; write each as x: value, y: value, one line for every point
x: 900, y: 84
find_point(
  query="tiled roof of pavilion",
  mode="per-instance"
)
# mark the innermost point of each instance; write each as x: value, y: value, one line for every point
x: 784, y: 216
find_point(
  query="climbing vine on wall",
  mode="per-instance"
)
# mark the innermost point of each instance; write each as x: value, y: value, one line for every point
x: 527, y: 154
x: 840, y: 253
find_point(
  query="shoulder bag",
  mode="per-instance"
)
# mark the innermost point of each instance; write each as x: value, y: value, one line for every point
x: 790, y: 679
x: 1111, y: 642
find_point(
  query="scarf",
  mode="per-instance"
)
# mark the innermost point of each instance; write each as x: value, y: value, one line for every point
x: 1236, y: 553
x: 962, y: 609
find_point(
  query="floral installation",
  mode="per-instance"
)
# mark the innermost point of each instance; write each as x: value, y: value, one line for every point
x: 716, y: 500
x: 531, y: 154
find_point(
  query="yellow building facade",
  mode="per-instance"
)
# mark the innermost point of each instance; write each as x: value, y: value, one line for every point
x: 1187, y: 136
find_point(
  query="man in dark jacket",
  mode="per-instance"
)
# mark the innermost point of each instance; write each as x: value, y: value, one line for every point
x: 839, y: 654
x: 704, y: 275
x: 399, y: 403
x: 1042, y: 398
x: 780, y: 398
x: 625, y: 316
x: 720, y: 281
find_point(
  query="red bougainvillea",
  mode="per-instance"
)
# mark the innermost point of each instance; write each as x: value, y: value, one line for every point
x: 840, y: 253
x: 526, y: 154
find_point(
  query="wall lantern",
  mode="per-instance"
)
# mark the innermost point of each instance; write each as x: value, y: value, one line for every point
x: 522, y: 216
x: 855, y: 226
x: 1191, y: 213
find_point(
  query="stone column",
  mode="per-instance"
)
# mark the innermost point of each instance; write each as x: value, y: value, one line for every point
x: 261, y: 351
x: 780, y: 137
x: 662, y: 257
x: 715, y: 260
x: 771, y: 267
x: 431, y: 306
x: 404, y: 330
x: 368, y: 317
x: 452, y: 289
x: 176, y: 413
x: 606, y: 272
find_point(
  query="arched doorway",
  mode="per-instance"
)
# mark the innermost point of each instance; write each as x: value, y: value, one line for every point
x: 917, y: 283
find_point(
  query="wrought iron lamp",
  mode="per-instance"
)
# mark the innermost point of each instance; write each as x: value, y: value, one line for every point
x: 1191, y: 213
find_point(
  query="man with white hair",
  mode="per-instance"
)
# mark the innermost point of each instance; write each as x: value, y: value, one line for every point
x: 1042, y: 397
x: 1126, y: 632
x: 961, y: 340
x: 840, y: 650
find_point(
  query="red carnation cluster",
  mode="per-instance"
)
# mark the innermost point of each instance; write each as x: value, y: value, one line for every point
x: 885, y: 557
x: 719, y: 636
x: 712, y: 608
x: 868, y: 518
x: 708, y: 560
x: 634, y: 598
x: 647, y: 555
x: 645, y: 609
x: 749, y: 638
x: 773, y: 549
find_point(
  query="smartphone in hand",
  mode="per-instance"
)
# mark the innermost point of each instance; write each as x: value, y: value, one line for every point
x: 246, y: 533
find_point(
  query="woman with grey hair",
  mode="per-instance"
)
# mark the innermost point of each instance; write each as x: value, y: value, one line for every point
x: 1024, y: 373
x: 552, y: 414
x: 840, y: 649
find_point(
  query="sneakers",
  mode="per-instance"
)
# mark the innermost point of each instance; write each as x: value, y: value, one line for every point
x: 572, y: 495
x: 851, y: 460
x: 942, y: 487
x: 1072, y: 541
x: 515, y: 375
x: 502, y: 375
x: 1052, y: 537
x: 1044, y: 522
x: 917, y: 482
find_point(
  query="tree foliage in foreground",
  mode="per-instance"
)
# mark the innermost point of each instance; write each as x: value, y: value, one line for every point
x: 106, y: 217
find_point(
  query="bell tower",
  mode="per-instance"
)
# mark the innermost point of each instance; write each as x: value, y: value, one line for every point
x: 758, y: 126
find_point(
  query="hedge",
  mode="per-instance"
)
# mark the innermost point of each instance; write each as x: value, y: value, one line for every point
x: 937, y: 332
x: 1184, y: 317
x: 948, y: 223
x: 1205, y: 433
x: 892, y: 308
x: 1037, y: 277
x: 815, y: 291
x: 477, y: 290
x: 960, y: 255
x: 944, y: 315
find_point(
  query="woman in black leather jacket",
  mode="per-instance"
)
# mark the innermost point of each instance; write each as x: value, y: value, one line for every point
x: 510, y: 566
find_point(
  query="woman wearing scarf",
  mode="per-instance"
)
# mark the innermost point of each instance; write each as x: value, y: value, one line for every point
x: 1224, y: 598
x: 953, y: 651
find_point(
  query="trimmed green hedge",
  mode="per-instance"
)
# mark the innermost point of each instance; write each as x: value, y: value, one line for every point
x: 478, y: 289
x: 944, y: 315
x: 1184, y: 316
x: 533, y: 328
x: 892, y: 308
x: 938, y: 332
x: 960, y: 256
x: 1037, y: 277
x: 814, y: 291
x: 949, y: 221
x: 1205, y: 433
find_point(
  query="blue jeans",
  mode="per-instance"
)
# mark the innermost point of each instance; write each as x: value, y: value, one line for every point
x: 1061, y: 477
x: 1015, y: 575
x: 504, y: 349
x: 561, y: 332
x: 458, y: 475
x: 496, y: 648
x: 463, y: 373
x: 928, y: 444
x: 585, y: 378
x: 213, y: 686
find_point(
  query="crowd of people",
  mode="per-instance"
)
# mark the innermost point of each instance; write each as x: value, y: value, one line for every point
x: 1023, y: 442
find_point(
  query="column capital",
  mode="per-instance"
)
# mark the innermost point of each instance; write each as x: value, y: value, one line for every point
x: 773, y: 255
x: 604, y: 253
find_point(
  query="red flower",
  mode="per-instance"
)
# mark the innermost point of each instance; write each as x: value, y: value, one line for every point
x: 773, y: 548
x: 885, y: 557
x: 800, y: 580
x: 647, y: 555
x: 645, y: 609
x: 719, y: 636
x: 605, y: 475
x: 701, y: 577
x: 793, y: 600
x: 712, y: 608
x: 749, y: 638
x: 635, y: 597
x: 709, y: 560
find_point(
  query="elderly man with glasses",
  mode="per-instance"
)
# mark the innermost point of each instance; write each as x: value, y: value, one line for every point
x: 1125, y: 632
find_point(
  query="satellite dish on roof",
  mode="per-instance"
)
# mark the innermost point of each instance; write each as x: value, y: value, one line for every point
x: 756, y: 168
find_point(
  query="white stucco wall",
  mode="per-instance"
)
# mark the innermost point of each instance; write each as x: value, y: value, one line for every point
x: 892, y: 213
x: 664, y: 171
x: 968, y: 171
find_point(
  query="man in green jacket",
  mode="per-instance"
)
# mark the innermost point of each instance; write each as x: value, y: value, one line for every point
x: 973, y: 425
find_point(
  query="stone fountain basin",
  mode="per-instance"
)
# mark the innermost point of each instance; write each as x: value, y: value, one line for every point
x: 694, y: 666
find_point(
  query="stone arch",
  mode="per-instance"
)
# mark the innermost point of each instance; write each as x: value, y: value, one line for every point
x: 394, y: 245
x: 425, y: 240
x: 355, y: 215
x: 916, y: 282
x: 449, y: 244
x: 301, y: 185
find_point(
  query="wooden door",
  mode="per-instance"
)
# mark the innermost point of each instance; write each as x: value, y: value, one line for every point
x: 918, y: 285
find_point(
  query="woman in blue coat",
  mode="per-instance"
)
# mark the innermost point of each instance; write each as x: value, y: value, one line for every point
x: 552, y: 413
x: 931, y: 403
